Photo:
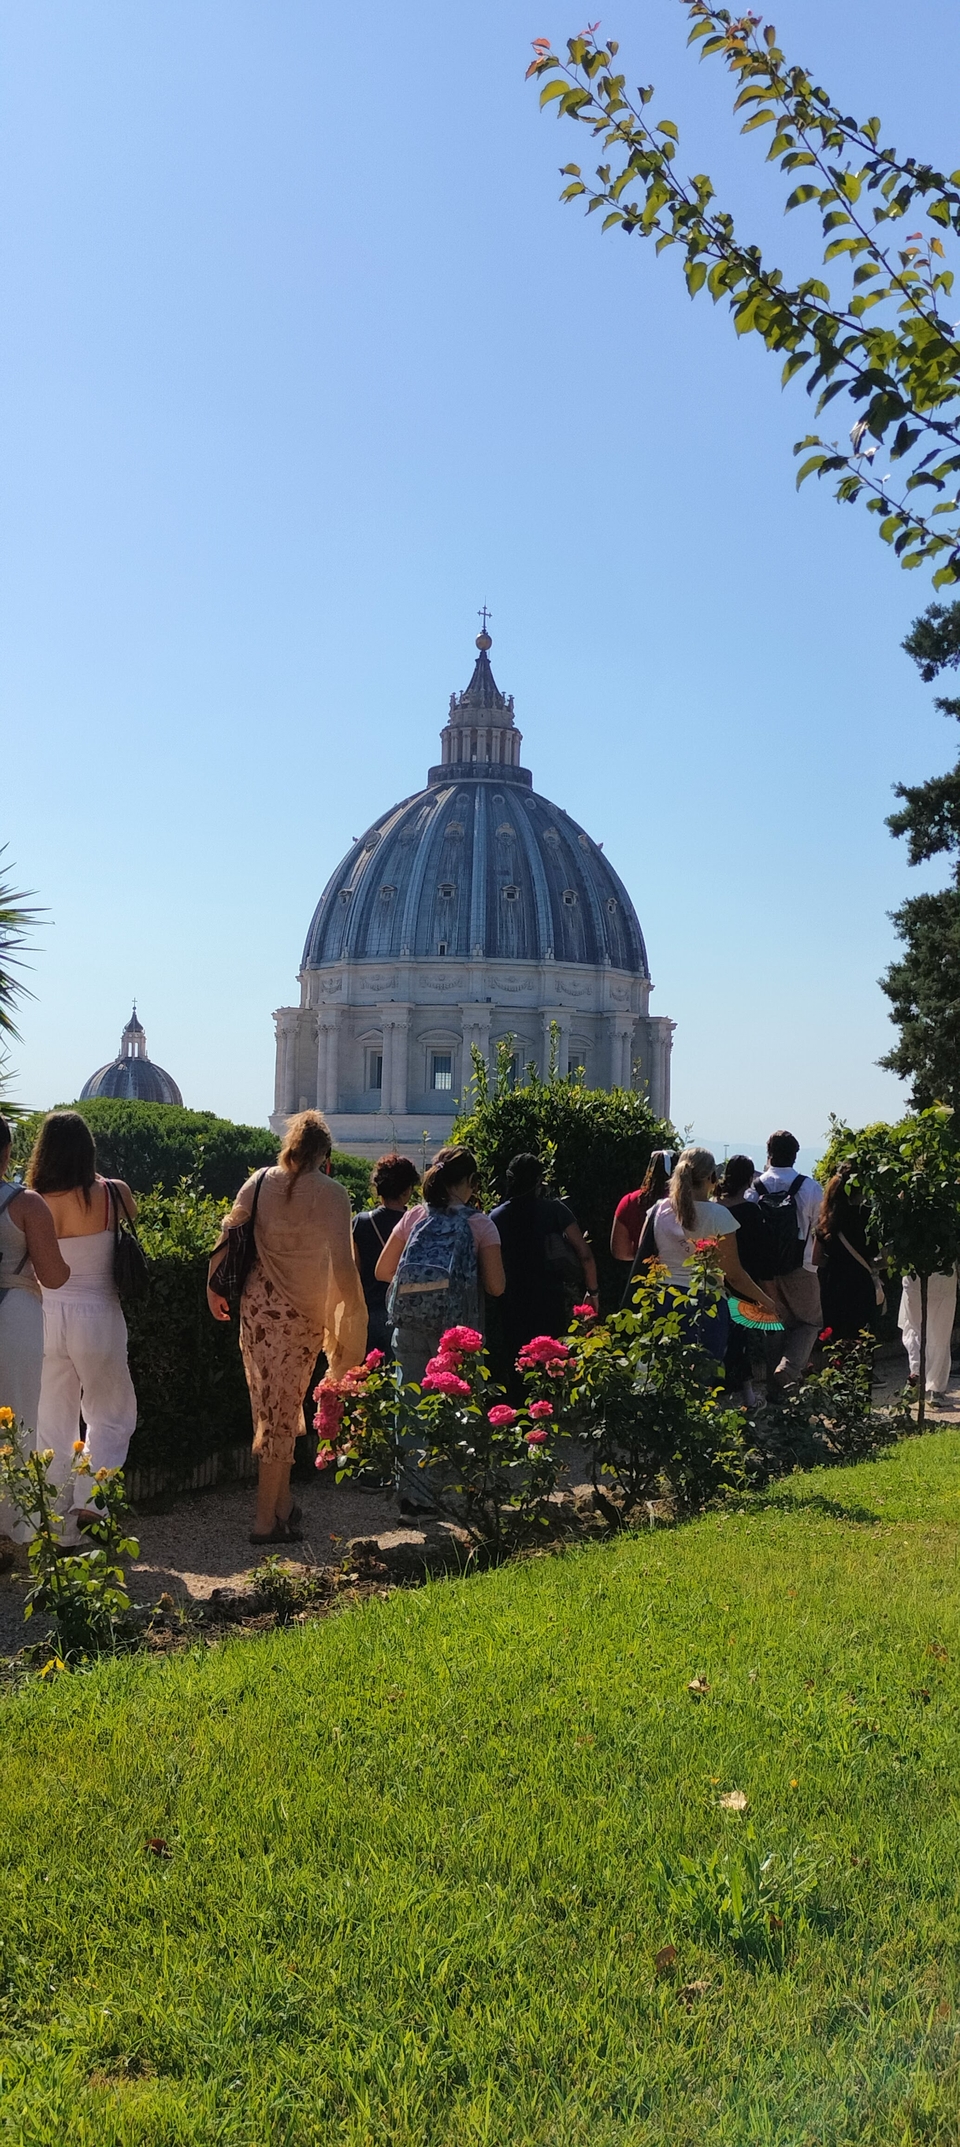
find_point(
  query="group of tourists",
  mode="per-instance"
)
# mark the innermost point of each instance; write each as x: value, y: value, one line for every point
x: 321, y: 1287
x: 801, y: 1252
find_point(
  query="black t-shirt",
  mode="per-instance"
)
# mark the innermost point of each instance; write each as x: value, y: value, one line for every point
x: 370, y: 1233
x: 524, y: 1225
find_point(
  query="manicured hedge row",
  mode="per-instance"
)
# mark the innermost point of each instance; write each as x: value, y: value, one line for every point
x: 186, y: 1367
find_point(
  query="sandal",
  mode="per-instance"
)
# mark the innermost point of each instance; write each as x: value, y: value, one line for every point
x: 288, y: 1531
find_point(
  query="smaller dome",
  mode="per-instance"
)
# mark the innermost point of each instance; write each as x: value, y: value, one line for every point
x: 132, y: 1077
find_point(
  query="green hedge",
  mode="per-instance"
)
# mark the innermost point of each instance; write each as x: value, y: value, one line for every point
x: 186, y: 1367
x: 595, y: 1142
x: 157, y: 1145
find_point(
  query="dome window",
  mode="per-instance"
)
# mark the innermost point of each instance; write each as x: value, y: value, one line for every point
x: 551, y: 834
x: 506, y: 829
x: 346, y: 895
x: 453, y: 831
x: 447, y: 890
x: 511, y: 894
x: 612, y: 906
x: 570, y: 897
x: 441, y: 946
x: 387, y: 894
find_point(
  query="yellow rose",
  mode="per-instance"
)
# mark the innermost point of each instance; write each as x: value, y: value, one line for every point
x: 7, y: 1419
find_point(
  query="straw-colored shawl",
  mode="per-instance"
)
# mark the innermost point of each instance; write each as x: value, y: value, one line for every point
x: 305, y: 1246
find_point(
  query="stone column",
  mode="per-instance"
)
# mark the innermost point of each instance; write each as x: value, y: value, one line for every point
x: 661, y: 1047
x: 386, y: 1071
x: 328, y: 1080
x: 621, y: 1039
x: 476, y: 1037
x: 288, y: 1024
x: 555, y: 1016
x: 280, y: 1074
x: 396, y: 1025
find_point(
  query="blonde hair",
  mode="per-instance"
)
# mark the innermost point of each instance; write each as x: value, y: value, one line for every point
x: 692, y: 1167
x: 307, y: 1142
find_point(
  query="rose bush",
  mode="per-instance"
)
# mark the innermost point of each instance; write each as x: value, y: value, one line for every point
x: 485, y: 1465
x: 646, y: 1395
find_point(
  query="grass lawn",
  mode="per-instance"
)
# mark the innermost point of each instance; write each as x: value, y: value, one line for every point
x: 411, y: 1894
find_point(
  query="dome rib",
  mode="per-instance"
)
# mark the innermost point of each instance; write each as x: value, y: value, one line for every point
x: 553, y: 856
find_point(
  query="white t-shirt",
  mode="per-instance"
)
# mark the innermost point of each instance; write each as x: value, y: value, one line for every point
x: 779, y: 1179
x: 675, y: 1245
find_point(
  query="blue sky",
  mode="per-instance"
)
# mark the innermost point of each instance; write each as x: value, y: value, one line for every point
x: 300, y: 360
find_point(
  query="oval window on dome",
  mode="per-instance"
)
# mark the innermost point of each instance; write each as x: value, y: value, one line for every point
x: 453, y: 831
x: 387, y: 894
x: 511, y: 894
x: 506, y: 829
x: 570, y: 896
x: 613, y: 906
x: 446, y: 890
x: 346, y: 895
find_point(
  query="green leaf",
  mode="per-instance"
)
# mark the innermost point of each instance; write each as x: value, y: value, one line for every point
x: 813, y: 462
x: 800, y: 195
x: 666, y: 126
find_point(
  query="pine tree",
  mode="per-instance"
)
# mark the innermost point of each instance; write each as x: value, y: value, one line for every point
x: 924, y: 985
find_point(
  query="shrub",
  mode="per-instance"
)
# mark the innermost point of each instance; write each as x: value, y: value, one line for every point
x: 84, y: 1594
x: 156, y: 1145
x: 187, y: 1370
x: 644, y: 1395
x: 485, y: 1465
x: 596, y: 1144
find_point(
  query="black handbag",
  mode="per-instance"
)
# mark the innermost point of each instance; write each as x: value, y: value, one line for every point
x: 239, y: 1251
x: 131, y: 1268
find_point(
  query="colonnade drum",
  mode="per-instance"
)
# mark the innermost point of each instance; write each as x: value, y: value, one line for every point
x: 471, y: 916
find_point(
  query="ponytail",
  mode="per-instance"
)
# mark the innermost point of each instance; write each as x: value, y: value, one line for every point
x: 452, y: 1166
x: 694, y: 1166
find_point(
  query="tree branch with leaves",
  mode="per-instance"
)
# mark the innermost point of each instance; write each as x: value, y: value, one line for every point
x: 883, y: 341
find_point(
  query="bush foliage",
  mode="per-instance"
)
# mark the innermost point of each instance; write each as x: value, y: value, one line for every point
x: 156, y: 1145
x: 595, y: 1143
x: 186, y: 1367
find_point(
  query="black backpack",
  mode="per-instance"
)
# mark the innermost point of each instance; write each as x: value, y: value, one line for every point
x: 785, y: 1244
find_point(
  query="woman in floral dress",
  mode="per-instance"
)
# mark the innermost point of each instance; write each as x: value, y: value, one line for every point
x: 303, y: 1295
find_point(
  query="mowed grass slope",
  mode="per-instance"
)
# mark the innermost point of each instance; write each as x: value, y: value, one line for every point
x: 411, y: 1894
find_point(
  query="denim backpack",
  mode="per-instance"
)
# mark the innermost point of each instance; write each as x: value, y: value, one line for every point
x: 435, y: 1286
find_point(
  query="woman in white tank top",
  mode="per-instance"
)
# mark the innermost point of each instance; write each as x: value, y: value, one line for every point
x: 29, y: 1256
x: 84, y: 1330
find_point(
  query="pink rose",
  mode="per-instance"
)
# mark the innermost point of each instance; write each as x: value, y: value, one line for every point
x: 443, y: 1362
x: 373, y: 1359
x: 584, y: 1312
x: 443, y: 1383
x: 541, y: 1409
x: 543, y: 1349
x: 705, y: 1244
x: 536, y: 1438
x: 330, y: 1412
x: 500, y: 1414
x: 461, y: 1339
x: 326, y: 1455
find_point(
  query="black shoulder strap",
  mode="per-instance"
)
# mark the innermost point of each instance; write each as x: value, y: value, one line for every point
x: 797, y: 1183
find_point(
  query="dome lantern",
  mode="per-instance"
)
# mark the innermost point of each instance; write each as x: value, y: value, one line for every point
x: 132, y: 1077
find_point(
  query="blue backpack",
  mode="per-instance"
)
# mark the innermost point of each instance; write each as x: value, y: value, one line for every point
x: 436, y: 1283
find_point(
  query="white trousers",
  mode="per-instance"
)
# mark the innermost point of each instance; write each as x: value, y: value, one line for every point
x: 85, y: 1365
x: 941, y: 1310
